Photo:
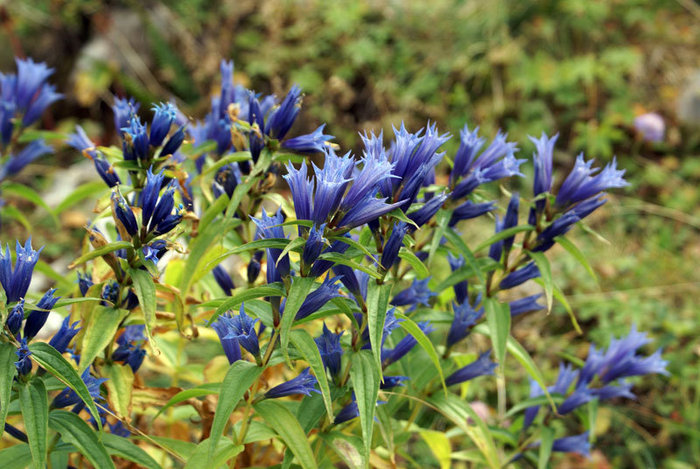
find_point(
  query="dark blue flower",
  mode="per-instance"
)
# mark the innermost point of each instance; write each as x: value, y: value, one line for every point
x: 65, y: 334
x: 31, y: 76
x: 16, y: 280
x: 390, y: 253
x: 314, y: 142
x: 566, y: 376
x: 135, y: 140
x: 417, y: 294
x: 469, y: 146
x: 84, y: 282
x: 163, y: 117
x: 305, y: 384
x: 157, y: 215
x: 242, y: 328
x: 460, y: 288
x: 511, y: 220
x: 314, y: 244
x: 224, y: 280
x: 15, y: 318
x: 525, y: 305
x: 520, y: 276
x: 376, y: 169
x: 253, y: 270
x: 331, y: 182
x: 319, y: 297
x: 393, y: 381
x: 331, y: 351
x: 46, y: 96
x: 302, y: 189
x: 123, y: 109
x: 612, y: 391
x: 465, y: 317
x: 68, y: 397
x: 282, y: 118
x: 37, y: 318
x: 225, y: 330
x: 584, y: 181
x: 23, y: 363
x: 469, y: 209
x: 26, y: 155
x: 130, y: 349
x: 573, y: 444
x: 123, y: 216
x: 226, y: 180
x: 423, y: 215
x: 542, y: 159
x: 349, y: 279
x: 270, y: 227
x: 480, y: 367
x: 367, y: 210
x: 348, y: 412
x: 151, y: 253
x: 404, y: 346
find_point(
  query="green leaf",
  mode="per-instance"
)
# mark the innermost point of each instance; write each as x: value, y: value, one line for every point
x: 27, y: 193
x: 16, y: 457
x: 301, y: 286
x: 209, y: 455
x: 34, y: 403
x: 275, y: 243
x: 413, y: 260
x: 119, y: 384
x: 240, y: 376
x: 359, y: 246
x: 111, y: 247
x: 377, y: 303
x: 7, y: 375
x: 122, y: 447
x: 572, y: 249
x: 48, y: 357
x: 250, y: 294
x: 412, y: 328
x: 501, y: 235
x: 99, y: 332
x: 442, y: 219
x: 460, y: 412
x: 283, y: 422
x: 462, y: 247
x: 338, y: 258
x: 348, y: 447
x: 546, y: 273
x: 498, y: 320
x: 9, y: 211
x: 439, y: 444
x: 77, y: 432
x: 545, y: 447
x: 365, y: 382
x: 84, y: 191
x: 146, y: 293
x: 230, y: 158
x: 213, y: 211
x: 201, y: 390
x: 238, y: 194
x: 307, y: 347
x: 179, y: 448
x: 197, y: 251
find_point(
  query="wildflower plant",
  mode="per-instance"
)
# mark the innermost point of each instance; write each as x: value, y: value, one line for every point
x: 347, y: 310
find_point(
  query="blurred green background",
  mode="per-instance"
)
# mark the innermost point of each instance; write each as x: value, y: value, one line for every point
x: 584, y: 69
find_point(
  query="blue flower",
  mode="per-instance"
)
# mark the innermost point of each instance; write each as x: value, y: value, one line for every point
x: 331, y: 182
x: 465, y: 317
x: 156, y: 209
x: 282, y: 118
x: 314, y: 245
x: 469, y: 146
x: 391, y: 322
x: 390, y: 253
x: 224, y: 280
x: 393, y: 381
x: 520, y: 276
x: 480, y: 367
x: 37, y: 318
x: 302, y: 189
x: 15, y: 318
x: 460, y: 288
x: 511, y: 220
x: 469, y: 209
x: 566, y: 376
x: 65, y: 334
x: 417, y: 294
x: 23, y: 363
x: 68, y: 397
x: 130, y: 349
x: 242, y: 328
x: 225, y: 330
x: 525, y: 305
x: 423, y: 215
x: 348, y: 412
x: 542, y: 159
x: 46, y: 97
x: 226, y: 180
x: 270, y: 227
x: 123, y: 216
x: 26, y: 155
x: 331, y: 351
x: 253, y: 270
x: 150, y: 254
x: 305, y: 384
x: 376, y: 169
x: 84, y: 282
x: 573, y: 444
x: 319, y: 297
x: 173, y: 142
x: 16, y: 280
x: 404, y: 346
x: 135, y: 140
x: 584, y: 181
x: 123, y: 109
x: 349, y: 279
x: 163, y: 117
x: 314, y: 142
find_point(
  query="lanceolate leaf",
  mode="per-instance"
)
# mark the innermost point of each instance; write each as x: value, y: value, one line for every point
x: 462, y: 247
x: 289, y: 430
x: 577, y: 254
x: 308, y: 349
x: 240, y: 376
x: 377, y: 304
x: 498, y: 320
x: 209, y: 455
x: 182, y: 396
x: 412, y: 328
x: 120, y: 383
x: 365, y: 376
x: 297, y: 294
x: 7, y: 375
x: 546, y: 273
x: 420, y: 268
x: 146, y: 292
x: 122, y: 447
x: 111, y: 247
x: 76, y: 431
x: 34, y: 404
x: 48, y: 357
x: 99, y: 332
